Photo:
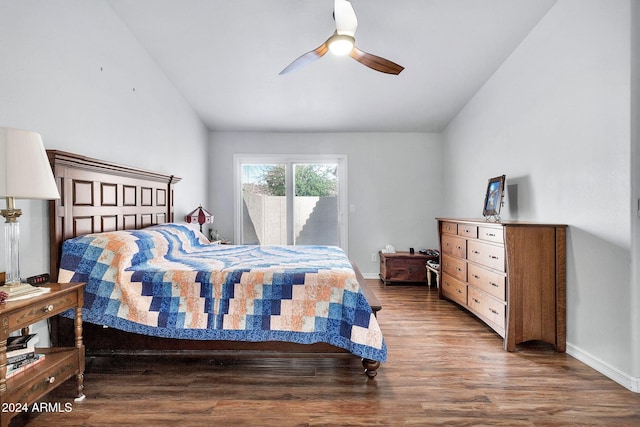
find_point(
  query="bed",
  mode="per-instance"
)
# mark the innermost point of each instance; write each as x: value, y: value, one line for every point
x: 158, y: 287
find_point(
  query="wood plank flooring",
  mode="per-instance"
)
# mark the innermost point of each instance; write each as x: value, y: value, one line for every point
x: 444, y: 367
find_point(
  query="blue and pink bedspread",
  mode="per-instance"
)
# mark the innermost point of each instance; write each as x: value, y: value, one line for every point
x: 168, y: 281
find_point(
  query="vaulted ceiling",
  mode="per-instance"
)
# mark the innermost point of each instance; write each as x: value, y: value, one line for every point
x: 225, y: 56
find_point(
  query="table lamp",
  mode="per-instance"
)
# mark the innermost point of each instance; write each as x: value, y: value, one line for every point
x: 200, y: 216
x: 25, y: 173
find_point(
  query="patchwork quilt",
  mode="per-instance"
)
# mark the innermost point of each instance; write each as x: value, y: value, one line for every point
x: 169, y: 281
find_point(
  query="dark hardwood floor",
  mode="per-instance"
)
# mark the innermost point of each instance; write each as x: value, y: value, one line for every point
x: 444, y: 367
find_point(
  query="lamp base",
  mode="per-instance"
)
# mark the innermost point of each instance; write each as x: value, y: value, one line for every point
x: 17, y: 291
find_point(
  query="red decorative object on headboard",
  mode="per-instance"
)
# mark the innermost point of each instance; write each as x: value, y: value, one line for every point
x: 200, y: 216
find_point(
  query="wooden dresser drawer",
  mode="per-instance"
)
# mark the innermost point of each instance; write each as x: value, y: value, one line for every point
x: 470, y: 231
x: 449, y: 228
x: 454, y: 267
x: 486, y: 254
x: 486, y: 306
x: 43, y: 309
x: 491, y: 234
x: 63, y: 364
x: 489, y: 281
x: 454, y: 289
x: 407, y: 270
x: 456, y: 246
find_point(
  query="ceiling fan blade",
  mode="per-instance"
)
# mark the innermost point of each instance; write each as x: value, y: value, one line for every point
x: 375, y: 62
x: 306, y: 58
x: 345, y: 16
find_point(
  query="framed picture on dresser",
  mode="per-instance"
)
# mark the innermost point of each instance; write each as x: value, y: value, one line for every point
x: 493, y: 197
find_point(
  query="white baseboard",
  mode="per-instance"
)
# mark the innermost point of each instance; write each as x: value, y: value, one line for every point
x: 371, y: 275
x: 627, y: 381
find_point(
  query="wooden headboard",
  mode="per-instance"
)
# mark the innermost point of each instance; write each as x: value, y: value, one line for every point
x: 98, y: 196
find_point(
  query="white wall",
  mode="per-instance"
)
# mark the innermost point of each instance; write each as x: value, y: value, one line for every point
x: 70, y: 70
x: 393, y: 182
x: 555, y: 118
x: 635, y: 185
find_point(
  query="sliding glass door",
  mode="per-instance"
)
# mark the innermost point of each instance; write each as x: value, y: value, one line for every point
x: 290, y: 200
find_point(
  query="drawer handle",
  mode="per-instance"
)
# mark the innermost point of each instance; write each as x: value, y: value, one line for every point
x: 493, y: 311
x: 459, y: 269
x: 459, y: 291
x: 490, y: 234
x: 458, y: 247
x: 476, y: 252
x: 50, y: 380
x: 493, y: 257
x: 494, y: 284
x: 476, y: 301
x: 48, y: 308
x: 475, y: 276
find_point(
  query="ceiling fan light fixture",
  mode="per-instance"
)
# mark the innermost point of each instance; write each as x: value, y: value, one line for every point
x: 341, y: 44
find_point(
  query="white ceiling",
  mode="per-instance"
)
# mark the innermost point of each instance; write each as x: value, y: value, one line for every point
x: 225, y: 56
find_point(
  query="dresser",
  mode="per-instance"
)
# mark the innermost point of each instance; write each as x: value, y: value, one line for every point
x: 19, y: 392
x: 509, y: 274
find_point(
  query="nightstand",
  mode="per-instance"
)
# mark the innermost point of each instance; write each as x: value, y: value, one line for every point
x: 60, y: 363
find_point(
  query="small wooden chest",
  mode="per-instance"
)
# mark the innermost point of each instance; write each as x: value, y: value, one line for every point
x: 403, y: 267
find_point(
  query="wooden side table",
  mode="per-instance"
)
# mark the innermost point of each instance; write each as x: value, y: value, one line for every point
x: 403, y: 267
x: 61, y: 363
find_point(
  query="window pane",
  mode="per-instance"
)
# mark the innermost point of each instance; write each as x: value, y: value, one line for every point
x: 264, y: 206
x: 316, y: 204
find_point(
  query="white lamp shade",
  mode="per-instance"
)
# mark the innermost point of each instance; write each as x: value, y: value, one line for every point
x: 25, y: 172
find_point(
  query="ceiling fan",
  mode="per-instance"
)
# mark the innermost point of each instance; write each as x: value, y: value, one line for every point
x: 342, y: 42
